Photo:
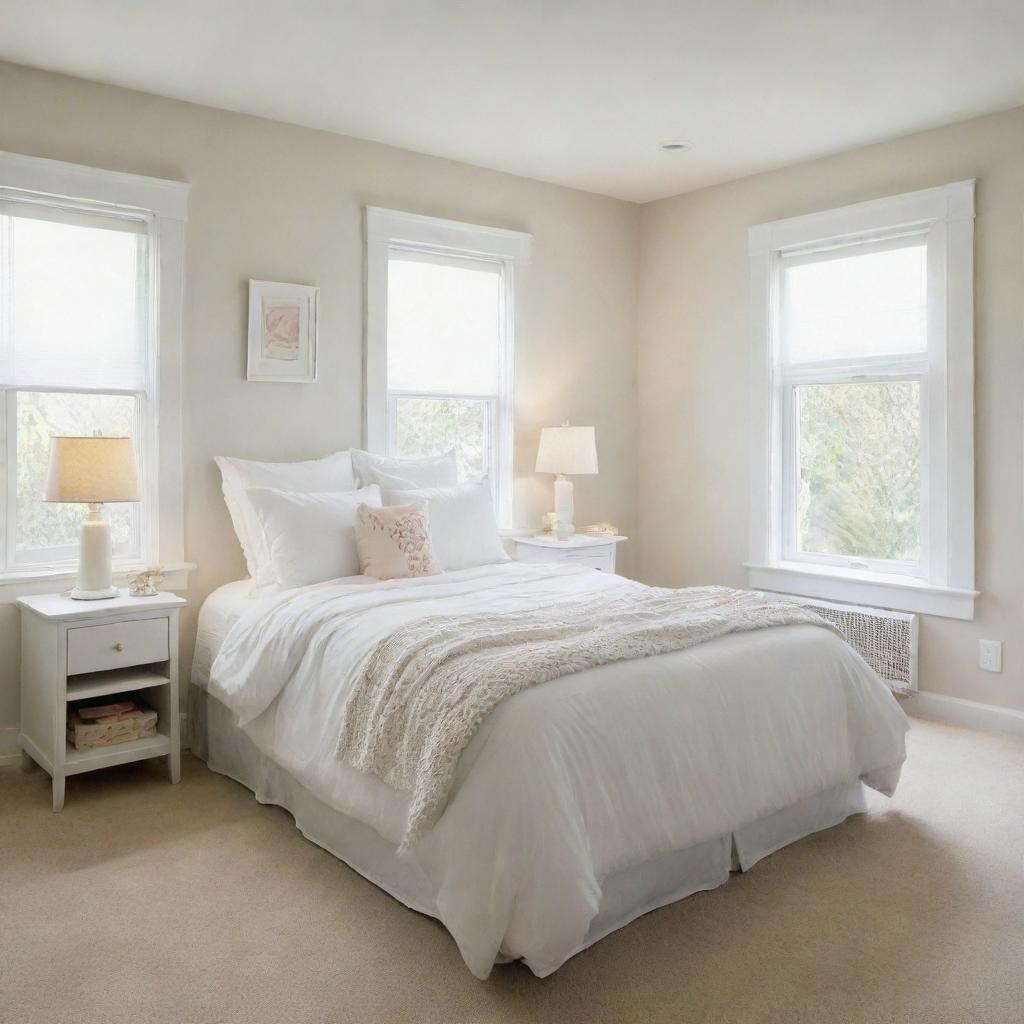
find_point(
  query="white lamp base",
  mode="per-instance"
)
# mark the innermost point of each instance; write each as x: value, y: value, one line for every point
x: 563, y: 508
x: 94, y: 572
x: 94, y: 595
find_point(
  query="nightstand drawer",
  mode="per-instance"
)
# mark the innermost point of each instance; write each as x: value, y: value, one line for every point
x: 592, y: 552
x: 117, y: 645
x: 599, y: 560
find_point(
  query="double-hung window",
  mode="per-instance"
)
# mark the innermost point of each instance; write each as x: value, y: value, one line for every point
x: 80, y: 354
x: 74, y: 314
x: 440, y: 343
x: 864, y: 490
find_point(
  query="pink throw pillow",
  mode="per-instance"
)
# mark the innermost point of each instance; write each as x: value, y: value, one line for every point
x: 394, y: 542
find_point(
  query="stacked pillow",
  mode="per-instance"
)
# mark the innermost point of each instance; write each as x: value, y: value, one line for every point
x: 306, y: 522
x: 310, y: 537
x: 402, y: 473
x: 463, y: 530
x: 462, y: 525
x: 331, y: 473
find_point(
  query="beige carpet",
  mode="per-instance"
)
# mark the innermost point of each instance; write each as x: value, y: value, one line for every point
x: 145, y: 902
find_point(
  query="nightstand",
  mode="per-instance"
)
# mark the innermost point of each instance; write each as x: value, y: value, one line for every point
x: 579, y: 549
x: 73, y: 650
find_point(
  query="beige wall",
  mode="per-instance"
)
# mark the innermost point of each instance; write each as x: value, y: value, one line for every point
x: 283, y: 203
x: 694, y: 375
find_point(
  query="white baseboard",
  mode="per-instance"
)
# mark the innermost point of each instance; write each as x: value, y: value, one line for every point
x: 10, y: 752
x: 966, y: 713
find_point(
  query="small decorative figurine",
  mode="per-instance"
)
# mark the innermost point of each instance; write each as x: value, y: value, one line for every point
x: 146, y: 583
x: 549, y: 522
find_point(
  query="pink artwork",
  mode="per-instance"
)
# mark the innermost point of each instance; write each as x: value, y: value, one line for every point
x: 280, y: 331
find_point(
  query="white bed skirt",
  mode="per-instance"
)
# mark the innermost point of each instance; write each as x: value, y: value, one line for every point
x: 626, y: 894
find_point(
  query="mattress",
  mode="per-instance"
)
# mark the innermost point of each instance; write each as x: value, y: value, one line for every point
x: 220, y: 611
x: 579, y: 804
x: 366, y: 798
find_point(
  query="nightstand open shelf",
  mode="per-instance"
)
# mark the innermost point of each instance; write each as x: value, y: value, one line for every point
x: 77, y: 761
x: 117, y: 680
x: 73, y: 651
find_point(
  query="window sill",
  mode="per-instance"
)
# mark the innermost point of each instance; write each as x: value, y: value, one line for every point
x: 19, y: 583
x: 900, y: 593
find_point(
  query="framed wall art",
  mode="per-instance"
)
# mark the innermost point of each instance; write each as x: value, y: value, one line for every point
x: 282, y: 332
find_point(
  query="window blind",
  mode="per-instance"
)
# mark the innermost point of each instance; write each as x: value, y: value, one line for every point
x: 857, y: 301
x: 74, y: 299
x: 444, y: 324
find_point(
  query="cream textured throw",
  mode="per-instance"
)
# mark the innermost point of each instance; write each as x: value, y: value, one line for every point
x: 429, y: 684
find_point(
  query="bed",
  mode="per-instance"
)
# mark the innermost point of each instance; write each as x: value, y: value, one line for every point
x: 579, y: 804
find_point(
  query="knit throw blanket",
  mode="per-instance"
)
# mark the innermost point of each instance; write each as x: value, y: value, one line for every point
x: 428, y: 685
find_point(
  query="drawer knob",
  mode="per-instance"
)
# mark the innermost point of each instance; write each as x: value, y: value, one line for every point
x: 119, y: 646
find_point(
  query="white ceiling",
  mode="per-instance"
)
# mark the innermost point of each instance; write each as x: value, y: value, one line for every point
x: 578, y: 92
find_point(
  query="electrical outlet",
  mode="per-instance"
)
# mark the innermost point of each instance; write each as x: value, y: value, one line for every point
x: 990, y: 655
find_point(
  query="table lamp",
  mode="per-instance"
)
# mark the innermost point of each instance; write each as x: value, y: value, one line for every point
x: 565, y: 451
x: 93, y: 470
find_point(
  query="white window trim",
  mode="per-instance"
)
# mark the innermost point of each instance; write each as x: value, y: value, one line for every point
x: 386, y: 229
x: 947, y: 214
x: 165, y: 205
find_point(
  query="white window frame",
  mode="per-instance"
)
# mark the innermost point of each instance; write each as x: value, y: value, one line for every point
x: 387, y: 230
x: 942, y: 583
x: 163, y: 205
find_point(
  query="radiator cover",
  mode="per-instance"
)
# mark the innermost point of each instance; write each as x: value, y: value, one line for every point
x: 886, y: 640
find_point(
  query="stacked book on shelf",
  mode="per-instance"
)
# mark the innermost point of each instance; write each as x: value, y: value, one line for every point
x: 102, y: 725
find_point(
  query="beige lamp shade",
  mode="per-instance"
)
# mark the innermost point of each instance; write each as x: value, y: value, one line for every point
x: 92, y: 469
x: 568, y: 450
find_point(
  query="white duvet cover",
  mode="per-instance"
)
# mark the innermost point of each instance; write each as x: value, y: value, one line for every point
x: 567, y: 783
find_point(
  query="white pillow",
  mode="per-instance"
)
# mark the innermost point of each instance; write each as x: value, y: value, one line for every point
x: 463, y: 529
x: 394, y: 543
x: 310, y: 537
x: 431, y: 471
x: 331, y: 473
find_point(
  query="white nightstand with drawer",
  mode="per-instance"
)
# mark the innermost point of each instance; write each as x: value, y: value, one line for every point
x: 74, y: 650
x: 579, y: 549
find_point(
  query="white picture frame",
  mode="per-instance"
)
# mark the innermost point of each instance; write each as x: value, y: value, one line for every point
x: 283, y: 324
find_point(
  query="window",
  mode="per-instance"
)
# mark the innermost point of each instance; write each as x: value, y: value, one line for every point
x: 73, y: 342
x: 865, y: 490
x: 87, y: 343
x: 440, y: 339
